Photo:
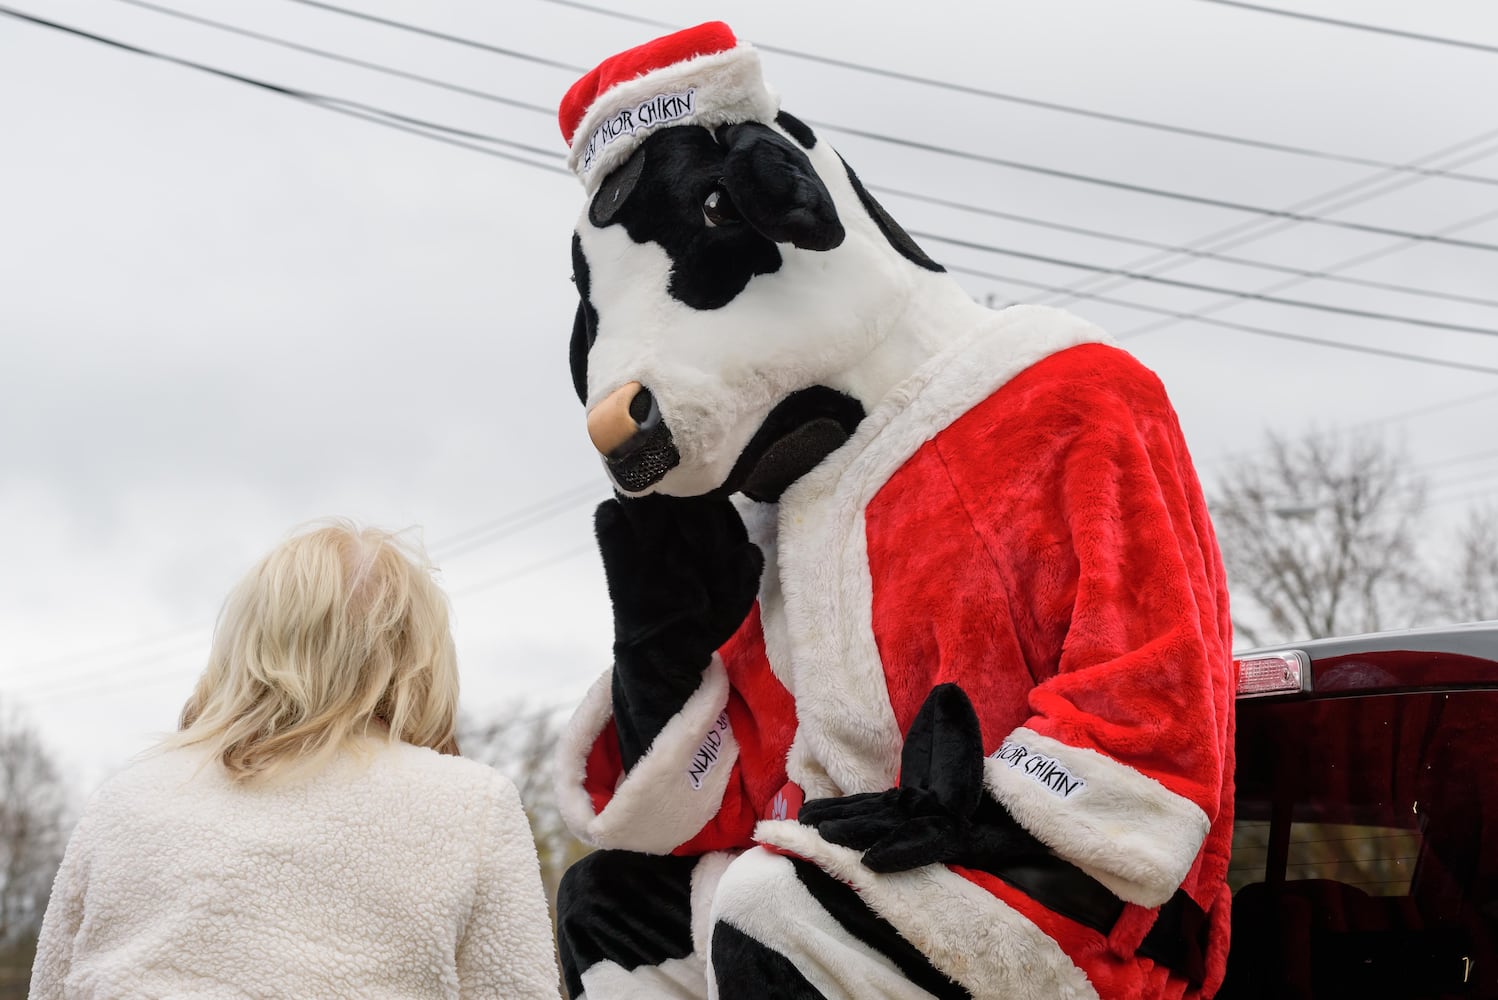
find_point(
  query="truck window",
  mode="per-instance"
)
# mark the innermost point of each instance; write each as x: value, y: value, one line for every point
x: 1365, y: 853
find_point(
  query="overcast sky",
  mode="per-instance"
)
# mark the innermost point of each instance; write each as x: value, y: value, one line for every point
x: 224, y: 312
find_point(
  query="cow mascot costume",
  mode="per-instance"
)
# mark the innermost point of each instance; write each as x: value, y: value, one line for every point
x: 922, y: 683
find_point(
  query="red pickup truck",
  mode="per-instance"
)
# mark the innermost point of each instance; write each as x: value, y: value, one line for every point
x: 1365, y: 851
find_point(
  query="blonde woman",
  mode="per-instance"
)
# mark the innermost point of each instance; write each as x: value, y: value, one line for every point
x: 301, y: 835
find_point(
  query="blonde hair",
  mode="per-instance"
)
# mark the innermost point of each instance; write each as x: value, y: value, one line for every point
x: 338, y: 630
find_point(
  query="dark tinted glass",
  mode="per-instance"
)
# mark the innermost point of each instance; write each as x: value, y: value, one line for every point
x: 1365, y: 854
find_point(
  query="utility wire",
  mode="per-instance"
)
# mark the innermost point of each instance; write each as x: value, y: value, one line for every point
x: 338, y: 57
x: 559, y: 501
x: 81, y: 685
x: 451, y: 545
x: 1400, y: 417
x: 527, y: 569
x: 1195, y: 199
x: 1248, y: 262
x: 543, y: 152
x: 1345, y: 263
x: 419, y: 127
x: 428, y: 32
x: 1229, y: 325
x: 1213, y: 289
x: 520, y: 525
x: 1355, y: 25
x: 1028, y: 101
x: 980, y: 158
x: 114, y: 649
x: 354, y: 109
x: 1356, y: 193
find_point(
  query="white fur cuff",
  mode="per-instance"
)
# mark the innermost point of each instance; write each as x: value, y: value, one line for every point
x: 1119, y: 825
x: 672, y: 792
x: 972, y: 936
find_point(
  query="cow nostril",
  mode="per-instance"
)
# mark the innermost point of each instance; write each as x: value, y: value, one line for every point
x: 642, y: 409
x: 644, y: 412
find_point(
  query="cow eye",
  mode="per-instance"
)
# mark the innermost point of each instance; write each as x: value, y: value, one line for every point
x: 718, y: 208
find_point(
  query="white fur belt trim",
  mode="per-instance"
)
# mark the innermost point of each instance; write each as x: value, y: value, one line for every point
x: 971, y: 935
x: 672, y: 792
x: 1119, y: 825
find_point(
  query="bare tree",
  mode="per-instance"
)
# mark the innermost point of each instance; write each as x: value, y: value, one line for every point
x: 1473, y: 595
x: 34, y: 810
x: 1319, y: 537
x: 521, y: 742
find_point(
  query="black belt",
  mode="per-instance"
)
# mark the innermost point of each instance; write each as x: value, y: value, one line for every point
x: 1177, y: 940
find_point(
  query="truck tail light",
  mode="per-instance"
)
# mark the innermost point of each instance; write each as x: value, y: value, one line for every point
x: 1274, y: 673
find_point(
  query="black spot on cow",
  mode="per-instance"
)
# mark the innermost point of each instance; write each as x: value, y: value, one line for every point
x: 584, y: 324
x: 797, y: 129
x: 676, y: 170
x: 718, y: 206
x: 898, y: 237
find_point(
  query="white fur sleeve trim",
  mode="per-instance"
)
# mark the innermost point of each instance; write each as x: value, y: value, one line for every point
x: 1119, y: 825
x: 671, y: 792
x: 972, y: 936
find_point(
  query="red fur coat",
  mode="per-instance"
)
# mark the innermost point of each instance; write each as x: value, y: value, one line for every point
x: 1023, y: 519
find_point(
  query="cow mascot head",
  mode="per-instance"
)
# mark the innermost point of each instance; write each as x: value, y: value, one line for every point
x: 919, y: 595
x: 745, y: 301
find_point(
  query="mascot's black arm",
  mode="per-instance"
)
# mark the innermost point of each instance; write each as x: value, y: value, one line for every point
x: 682, y: 576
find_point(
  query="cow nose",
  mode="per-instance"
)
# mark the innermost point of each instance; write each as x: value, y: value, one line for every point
x: 623, y: 420
x: 627, y: 429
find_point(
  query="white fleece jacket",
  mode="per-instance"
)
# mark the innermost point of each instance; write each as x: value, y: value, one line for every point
x: 397, y: 873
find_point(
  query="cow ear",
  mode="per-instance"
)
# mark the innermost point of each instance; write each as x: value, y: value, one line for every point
x: 616, y: 188
x: 776, y: 189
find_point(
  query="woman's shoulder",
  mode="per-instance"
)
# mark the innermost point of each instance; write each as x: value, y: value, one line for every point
x: 155, y: 769
x: 423, y: 766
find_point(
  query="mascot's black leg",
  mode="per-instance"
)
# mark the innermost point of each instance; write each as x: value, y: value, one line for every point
x: 786, y: 930
x: 745, y: 968
x: 624, y: 927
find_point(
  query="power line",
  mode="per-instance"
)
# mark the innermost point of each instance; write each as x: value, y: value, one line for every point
x: 1229, y: 325
x: 1213, y: 289
x: 521, y: 524
x: 1055, y: 106
x: 1254, y: 230
x: 527, y: 569
x: 505, y: 521
x: 537, y: 108
x: 978, y: 157
x: 1355, y: 25
x: 1174, y: 249
x: 456, y: 544
x: 1348, y: 262
x: 164, y: 639
x: 338, y: 57
x: 1391, y: 418
x: 82, y: 684
x: 354, y: 109
x: 1145, y: 189
x: 428, y: 32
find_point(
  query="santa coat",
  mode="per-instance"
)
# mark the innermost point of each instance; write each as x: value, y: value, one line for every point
x: 1021, y: 518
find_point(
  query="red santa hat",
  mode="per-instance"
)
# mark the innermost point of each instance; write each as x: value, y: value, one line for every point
x: 698, y: 76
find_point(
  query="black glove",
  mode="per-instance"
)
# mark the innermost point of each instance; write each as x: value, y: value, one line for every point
x: 940, y: 811
x: 682, y: 576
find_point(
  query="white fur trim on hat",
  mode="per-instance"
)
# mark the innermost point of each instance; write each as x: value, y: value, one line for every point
x: 719, y: 89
